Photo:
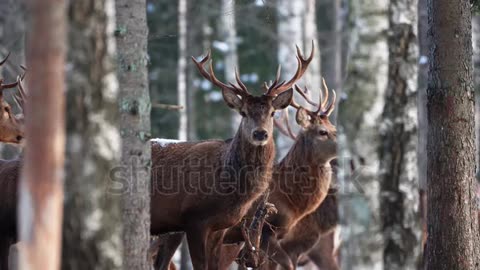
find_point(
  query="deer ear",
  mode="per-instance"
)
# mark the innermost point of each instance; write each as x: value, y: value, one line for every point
x: 302, y: 117
x: 233, y: 100
x: 283, y: 100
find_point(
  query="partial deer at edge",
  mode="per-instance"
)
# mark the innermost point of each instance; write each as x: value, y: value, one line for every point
x: 11, y: 126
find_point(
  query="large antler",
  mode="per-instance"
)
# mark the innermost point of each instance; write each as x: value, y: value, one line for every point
x: 285, y: 128
x: 239, y: 89
x: 277, y: 87
x: 8, y: 85
x: 324, y: 106
x: 21, y: 97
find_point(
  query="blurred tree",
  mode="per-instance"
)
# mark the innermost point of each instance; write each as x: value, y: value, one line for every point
x: 131, y: 35
x: 423, y: 60
x: 358, y: 118
x: 92, y: 225
x: 476, y: 79
x: 182, y: 69
x: 332, y: 39
x: 41, y: 185
x: 397, y: 151
x: 296, y: 25
x: 453, y: 232
x: 228, y: 35
x: 422, y: 129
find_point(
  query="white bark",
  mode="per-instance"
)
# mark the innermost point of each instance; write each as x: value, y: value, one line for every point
x: 182, y: 68
x: 297, y: 26
x: 358, y: 115
x: 228, y: 34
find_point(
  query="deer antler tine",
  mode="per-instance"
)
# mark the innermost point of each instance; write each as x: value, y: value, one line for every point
x: 280, y: 127
x: 210, y: 75
x: 331, y: 106
x: 325, y: 89
x: 239, y: 82
x: 278, y: 123
x: 302, y: 67
x: 299, y: 90
x: 5, y: 59
x: 287, y: 123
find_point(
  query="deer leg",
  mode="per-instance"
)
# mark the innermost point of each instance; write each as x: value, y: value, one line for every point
x: 168, y: 245
x: 197, y: 237
x: 214, y: 245
x: 278, y: 255
x: 228, y: 254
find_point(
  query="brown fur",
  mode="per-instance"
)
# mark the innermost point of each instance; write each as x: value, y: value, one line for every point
x: 215, y: 182
x: 9, y: 177
x: 308, y: 232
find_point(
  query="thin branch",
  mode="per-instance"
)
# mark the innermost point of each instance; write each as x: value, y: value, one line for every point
x: 172, y: 107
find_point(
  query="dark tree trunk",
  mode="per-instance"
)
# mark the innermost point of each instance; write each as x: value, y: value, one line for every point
x: 41, y: 184
x: 422, y: 129
x: 135, y: 106
x: 92, y: 224
x: 453, y: 240
x: 397, y: 155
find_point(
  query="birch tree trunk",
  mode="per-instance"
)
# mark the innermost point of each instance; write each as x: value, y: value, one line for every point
x: 228, y: 33
x: 397, y: 152
x: 453, y: 234
x: 41, y: 183
x: 135, y: 130
x: 297, y: 26
x: 182, y: 69
x: 92, y: 236
x: 359, y: 137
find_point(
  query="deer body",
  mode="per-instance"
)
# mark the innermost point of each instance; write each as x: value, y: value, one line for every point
x: 212, y: 196
x: 205, y: 187
x: 306, y: 234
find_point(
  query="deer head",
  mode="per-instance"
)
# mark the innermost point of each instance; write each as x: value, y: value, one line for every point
x: 11, y: 126
x: 316, y: 129
x: 256, y: 111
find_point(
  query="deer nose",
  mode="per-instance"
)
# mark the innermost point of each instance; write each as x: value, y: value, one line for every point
x: 260, y: 135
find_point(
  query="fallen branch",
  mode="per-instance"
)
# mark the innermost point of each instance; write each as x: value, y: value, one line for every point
x: 167, y: 106
x: 251, y: 255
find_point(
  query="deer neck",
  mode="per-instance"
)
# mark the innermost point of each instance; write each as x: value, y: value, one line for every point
x: 251, y: 164
x: 301, y: 177
x: 243, y: 153
x: 301, y: 155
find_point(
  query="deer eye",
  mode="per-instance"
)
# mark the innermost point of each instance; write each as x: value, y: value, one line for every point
x: 7, y: 109
x: 273, y: 114
x: 323, y: 132
x: 243, y: 114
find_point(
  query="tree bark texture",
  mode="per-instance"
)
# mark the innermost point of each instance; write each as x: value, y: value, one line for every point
x: 41, y: 184
x: 453, y: 236
x: 397, y: 152
x: 296, y: 26
x: 359, y: 137
x: 132, y: 56
x: 92, y: 226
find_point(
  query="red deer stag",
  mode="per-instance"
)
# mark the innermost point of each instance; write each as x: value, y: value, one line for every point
x: 207, y: 186
x: 9, y: 177
x: 300, y: 180
x: 11, y: 126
